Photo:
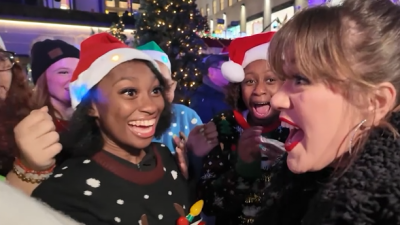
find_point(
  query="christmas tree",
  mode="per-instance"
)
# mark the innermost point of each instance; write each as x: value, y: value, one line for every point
x: 117, y: 30
x: 225, y: 126
x: 173, y: 25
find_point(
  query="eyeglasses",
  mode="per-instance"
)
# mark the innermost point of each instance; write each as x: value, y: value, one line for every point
x: 7, y: 60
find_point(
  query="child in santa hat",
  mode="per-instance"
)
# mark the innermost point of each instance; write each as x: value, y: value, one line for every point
x: 115, y: 173
x: 237, y: 157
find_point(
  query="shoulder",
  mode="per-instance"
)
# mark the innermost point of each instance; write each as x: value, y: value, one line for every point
x: 186, y: 115
x: 67, y: 177
x: 182, y: 109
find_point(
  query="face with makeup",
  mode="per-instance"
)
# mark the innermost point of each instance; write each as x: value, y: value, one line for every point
x: 321, y: 120
x: 170, y: 94
x: 58, y: 76
x: 128, y: 103
x: 258, y: 86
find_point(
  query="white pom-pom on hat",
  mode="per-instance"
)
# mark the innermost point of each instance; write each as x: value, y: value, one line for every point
x: 243, y: 51
x: 232, y: 72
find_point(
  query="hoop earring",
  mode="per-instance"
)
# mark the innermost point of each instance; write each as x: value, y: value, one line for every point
x: 354, y: 134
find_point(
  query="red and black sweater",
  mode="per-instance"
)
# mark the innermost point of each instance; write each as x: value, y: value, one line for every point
x: 231, y: 188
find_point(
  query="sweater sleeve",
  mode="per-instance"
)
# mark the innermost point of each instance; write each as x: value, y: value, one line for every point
x: 61, y: 193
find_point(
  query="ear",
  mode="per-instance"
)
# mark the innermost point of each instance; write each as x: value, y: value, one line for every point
x: 383, y: 100
x: 173, y: 86
x: 93, y: 112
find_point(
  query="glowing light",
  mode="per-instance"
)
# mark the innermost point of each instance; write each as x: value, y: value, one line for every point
x: 115, y: 58
x: 195, y: 210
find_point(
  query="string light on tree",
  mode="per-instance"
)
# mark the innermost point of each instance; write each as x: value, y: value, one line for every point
x: 117, y: 30
x: 174, y: 26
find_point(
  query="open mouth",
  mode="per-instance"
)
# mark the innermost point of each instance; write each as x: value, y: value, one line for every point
x: 261, y: 109
x: 296, y: 134
x: 143, y: 128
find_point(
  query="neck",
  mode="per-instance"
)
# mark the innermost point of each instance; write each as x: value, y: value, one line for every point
x: 264, y: 122
x: 127, y: 153
x: 62, y: 111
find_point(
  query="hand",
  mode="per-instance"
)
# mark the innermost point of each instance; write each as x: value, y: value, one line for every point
x: 249, y: 144
x: 37, y: 139
x: 203, y: 138
x: 181, y: 154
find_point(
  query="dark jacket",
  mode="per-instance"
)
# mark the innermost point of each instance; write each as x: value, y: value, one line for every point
x: 208, y: 100
x: 367, y: 193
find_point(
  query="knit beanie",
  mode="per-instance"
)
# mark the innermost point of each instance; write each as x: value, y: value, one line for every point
x: 45, y: 53
x: 155, y: 52
x: 242, y: 52
x: 100, y: 53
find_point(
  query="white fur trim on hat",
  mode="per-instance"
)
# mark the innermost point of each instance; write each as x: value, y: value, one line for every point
x: 256, y: 53
x: 232, y: 71
x: 159, y: 56
x: 2, y: 45
x: 100, y: 68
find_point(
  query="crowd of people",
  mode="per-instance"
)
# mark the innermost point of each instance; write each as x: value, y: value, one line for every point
x: 309, y: 134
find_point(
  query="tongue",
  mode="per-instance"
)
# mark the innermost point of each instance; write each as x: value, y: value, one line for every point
x: 262, y: 109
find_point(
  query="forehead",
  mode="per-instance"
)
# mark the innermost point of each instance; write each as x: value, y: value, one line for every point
x: 64, y: 63
x: 130, y: 70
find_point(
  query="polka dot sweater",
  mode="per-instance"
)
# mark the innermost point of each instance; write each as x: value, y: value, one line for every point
x: 108, y: 190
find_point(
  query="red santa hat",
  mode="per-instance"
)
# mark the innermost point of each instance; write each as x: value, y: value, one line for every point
x: 243, y: 51
x: 99, y: 54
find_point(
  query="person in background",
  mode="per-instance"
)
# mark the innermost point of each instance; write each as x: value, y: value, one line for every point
x: 236, y: 160
x: 53, y: 62
x: 209, y: 98
x: 15, y: 95
x: 184, y: 119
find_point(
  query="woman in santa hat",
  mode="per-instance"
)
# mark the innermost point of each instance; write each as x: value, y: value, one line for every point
x: 235, y: 171
x: 115, y: 174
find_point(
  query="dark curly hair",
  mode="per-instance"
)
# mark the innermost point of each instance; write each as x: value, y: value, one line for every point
x: 233, y: 96
x: 83, y: 136
x: 13, y: 109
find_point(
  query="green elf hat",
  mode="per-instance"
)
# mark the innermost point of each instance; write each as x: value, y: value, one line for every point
x: 155, y: 52
x: 2, y: 178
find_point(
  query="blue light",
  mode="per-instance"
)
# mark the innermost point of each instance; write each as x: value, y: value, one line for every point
x: 164, y: 59
x: 79, y: 91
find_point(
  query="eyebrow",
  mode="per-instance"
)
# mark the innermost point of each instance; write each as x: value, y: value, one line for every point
x: 61, y: 68
x: 124, y: 78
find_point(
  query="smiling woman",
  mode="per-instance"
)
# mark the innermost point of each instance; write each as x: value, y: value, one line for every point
x: 115, y: 174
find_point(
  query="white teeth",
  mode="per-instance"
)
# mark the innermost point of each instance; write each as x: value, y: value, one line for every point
x: 143, y: 122
x: 286, y: 125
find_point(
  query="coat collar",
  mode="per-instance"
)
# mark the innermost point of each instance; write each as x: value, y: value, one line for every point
x: 368, y: 192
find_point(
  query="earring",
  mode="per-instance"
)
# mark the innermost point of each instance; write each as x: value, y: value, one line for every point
x: 354, y: 134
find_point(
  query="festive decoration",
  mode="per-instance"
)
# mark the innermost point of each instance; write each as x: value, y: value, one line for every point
x: 195, y: 210
x: 225, y: 126
x: 117, y: 30
x: 173, y: 26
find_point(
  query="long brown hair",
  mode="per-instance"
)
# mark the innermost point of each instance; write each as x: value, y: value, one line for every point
x: 13, y: 109
x: 41, y: 96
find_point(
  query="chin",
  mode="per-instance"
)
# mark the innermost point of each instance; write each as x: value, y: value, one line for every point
x: 296, y: 163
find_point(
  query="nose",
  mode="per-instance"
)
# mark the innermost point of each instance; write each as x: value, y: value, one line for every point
x: 280, y: 100
x: 260, y: 89
x: 147, y: 105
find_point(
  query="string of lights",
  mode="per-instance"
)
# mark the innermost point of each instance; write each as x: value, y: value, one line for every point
x: 174, y: 26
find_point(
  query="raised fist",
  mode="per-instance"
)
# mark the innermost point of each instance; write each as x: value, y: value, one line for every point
x: 38, y: 140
